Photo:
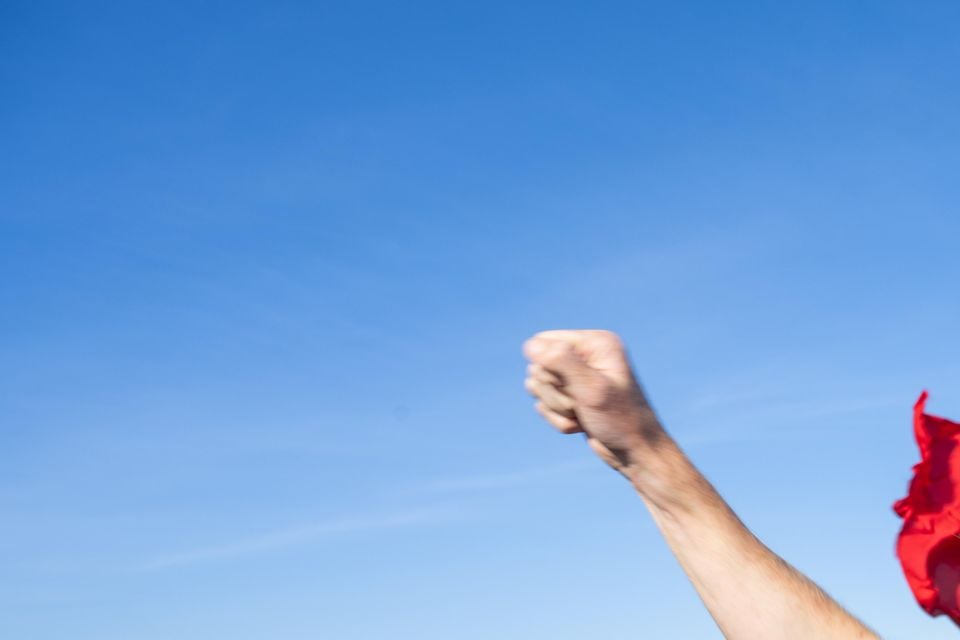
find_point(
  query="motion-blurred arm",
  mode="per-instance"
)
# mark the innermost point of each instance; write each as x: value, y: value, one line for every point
x: 584, y: 384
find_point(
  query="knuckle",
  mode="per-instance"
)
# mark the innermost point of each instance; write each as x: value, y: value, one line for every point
x: 557, y: 352
x: 532, y: 348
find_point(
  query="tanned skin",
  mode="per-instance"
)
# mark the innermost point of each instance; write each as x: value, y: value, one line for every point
x: 583, y: 383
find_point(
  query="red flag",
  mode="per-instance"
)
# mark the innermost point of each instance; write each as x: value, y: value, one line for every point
x: 929, y: 543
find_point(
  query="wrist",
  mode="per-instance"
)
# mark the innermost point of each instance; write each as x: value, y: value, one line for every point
x: 661, y: 473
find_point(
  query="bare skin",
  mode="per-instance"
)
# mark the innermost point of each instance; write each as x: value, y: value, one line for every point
x: 584, y: 384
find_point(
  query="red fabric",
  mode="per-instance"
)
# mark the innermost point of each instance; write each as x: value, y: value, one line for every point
x: 928, y: 545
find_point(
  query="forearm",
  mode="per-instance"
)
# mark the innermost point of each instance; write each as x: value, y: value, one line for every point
x: 750, y: 591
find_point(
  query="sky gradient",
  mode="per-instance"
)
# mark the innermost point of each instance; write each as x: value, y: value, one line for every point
x: 265, y: 271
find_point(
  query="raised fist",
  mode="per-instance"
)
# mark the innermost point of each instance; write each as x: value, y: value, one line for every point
x: 583, y: 383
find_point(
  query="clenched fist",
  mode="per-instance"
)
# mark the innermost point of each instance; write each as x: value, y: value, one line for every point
x: 583, y: 383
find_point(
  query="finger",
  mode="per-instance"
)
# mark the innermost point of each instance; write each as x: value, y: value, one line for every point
x: 553, y: 398
x: 561, y: 359
x: 538, y: 373
x: 563, y: 424
x: 540, y: 345
x: 581, y: 341
x: 573, y: 336
x: 578, y: 336
x: 550, y: 395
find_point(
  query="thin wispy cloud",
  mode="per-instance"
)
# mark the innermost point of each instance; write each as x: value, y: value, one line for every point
x: 302, y: 535
x: 769, y: 420
x: 306, y: 534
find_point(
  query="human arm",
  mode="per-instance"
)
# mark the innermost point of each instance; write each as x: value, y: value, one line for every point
x: 584, y: 384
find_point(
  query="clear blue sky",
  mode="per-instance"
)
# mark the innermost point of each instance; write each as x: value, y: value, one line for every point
x: 265, y: 270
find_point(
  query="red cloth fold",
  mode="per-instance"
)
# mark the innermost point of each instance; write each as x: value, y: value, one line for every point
x: 928, y: 545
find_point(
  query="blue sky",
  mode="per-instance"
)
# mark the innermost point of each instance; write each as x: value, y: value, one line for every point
x: 265, y: 270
